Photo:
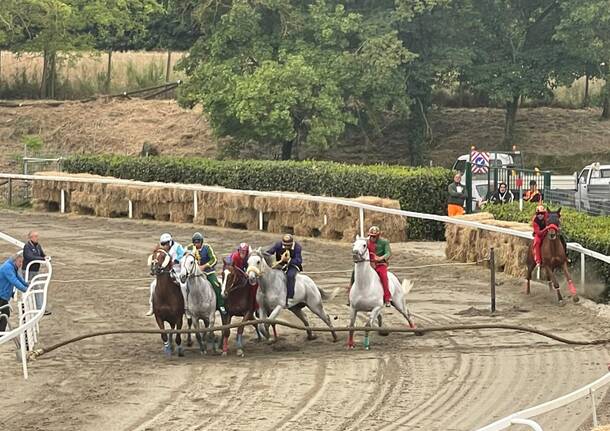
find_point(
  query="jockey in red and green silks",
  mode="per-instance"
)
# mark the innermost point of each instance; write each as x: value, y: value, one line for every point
x: 380, y: 252
x: 207, y: 263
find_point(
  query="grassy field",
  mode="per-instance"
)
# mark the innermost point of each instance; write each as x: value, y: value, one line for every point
x: 84, y: 75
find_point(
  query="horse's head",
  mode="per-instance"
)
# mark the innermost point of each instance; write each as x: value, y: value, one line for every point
x: 360, y: 251
x: 188, y: 265
x: 160, y: 261
x: 256, y: 264
x: 233, y: 278
x: 553, y: 222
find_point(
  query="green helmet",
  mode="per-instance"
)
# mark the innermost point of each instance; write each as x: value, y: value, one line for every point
x: 197, y: 237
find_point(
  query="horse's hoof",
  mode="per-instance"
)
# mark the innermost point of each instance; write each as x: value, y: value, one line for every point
x: 240, y: 353
x: 223, y: 354
x: 180, y: 351
x: 312, y: 337
x: 384, y: 333
x: 367, y: 347
x: 335, y: 338
x: 189, y: 343
x: 350, y: 347
x: 562, y: 303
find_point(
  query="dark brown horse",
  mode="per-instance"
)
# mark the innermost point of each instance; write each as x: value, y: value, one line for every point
x: 240, y: 300
x: 168, y: 302
x: 553, y: 254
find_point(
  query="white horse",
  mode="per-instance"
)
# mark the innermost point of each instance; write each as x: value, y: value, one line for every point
x: 271, y: 295
x: 366, y: 294
x: 201, y: 302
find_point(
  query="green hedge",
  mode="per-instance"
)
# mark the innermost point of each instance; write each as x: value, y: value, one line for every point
x: 592, y: 232
x: 417, y: 189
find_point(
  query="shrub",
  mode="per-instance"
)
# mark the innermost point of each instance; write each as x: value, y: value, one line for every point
x: 417, y: 189
x: 592, y: 232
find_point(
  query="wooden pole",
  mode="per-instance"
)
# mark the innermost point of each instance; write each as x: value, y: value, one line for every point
x: 108, y: 72
x: 10, y: 192
x: 169, y: 65
x: 492, y: 267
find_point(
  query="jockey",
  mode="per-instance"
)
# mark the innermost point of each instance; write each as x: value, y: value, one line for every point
x: 379, y: 249
x: 207, y: 262
x: 539, y: 224
x: 175, y: 251
x: 239, y: 258
x: 288, y: 256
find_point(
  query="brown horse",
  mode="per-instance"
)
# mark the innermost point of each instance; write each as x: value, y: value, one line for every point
x: 240, y: 300
x: 553, y: 254
x: 168, y: 302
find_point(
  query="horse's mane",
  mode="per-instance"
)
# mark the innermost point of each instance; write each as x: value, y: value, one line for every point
x: 260, y: 253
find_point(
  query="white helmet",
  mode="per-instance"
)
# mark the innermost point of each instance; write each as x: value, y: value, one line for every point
x: 166, y: 237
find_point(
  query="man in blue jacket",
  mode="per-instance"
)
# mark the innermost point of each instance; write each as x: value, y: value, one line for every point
x: 9, y: 279
x: 288, y: 255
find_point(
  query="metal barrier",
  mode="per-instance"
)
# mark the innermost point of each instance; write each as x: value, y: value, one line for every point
x: 523, y: 417
x: 30, y: 310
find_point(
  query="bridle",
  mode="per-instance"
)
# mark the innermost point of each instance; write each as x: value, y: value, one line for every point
x: 361, y: 256
x: 235, y: 273
x: 155, y: 268
x: 190, y: 272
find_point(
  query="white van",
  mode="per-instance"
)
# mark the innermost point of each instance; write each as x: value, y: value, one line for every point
x: 593, y: 189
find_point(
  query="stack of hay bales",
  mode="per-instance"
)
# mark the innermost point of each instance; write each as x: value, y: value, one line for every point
x: 466, y: 244
x: 229, y: 209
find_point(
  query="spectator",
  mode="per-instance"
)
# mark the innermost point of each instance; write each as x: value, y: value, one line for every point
x: 32, y: 250
x: 502, y: 195
x: 533, y: 195
x: 9, y: 279
x: 457, y: 197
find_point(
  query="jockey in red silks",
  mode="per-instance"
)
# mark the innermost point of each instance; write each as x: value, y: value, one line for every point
x: 239, y: 259
x: 539, y: 225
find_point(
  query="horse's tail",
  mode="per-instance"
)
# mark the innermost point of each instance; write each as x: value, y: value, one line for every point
x: 407, y: 285
x: 323, y: 294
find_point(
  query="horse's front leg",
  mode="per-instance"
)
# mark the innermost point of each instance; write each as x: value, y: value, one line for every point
x: 210, y: 334
x: 276, y: 311
x: 352, y: 321
x: 240, y: 335
x: 189, y: 338
x: 226, y: 333
x: 167, y: 347
x: 179, y: 337
x: 571, y: 287
x: 553, y: 281
x: 372, y: 317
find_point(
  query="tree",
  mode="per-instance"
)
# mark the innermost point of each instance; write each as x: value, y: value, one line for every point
x: 118, y: 25
x: 514, y: 52
x: 584, y: 33
x: 290, y: 73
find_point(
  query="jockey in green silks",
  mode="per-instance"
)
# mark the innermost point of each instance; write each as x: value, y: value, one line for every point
x: 207, y: 262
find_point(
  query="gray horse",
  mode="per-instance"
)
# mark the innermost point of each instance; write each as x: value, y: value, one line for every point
x: 201, y: 302
x: 271, y: 295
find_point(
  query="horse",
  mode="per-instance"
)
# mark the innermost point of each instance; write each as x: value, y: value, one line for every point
x: 168, y: 302
x: 366, y: 294
x: 272, y: 292
x: 553, y: 256
x: 240, y: 300
x: 201, y: 302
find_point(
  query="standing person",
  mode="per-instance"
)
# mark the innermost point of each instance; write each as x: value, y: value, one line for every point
x: 10, y: 279
x: 287, y: 253
x: 457, y: 197
x: 502, y: 195
x: 533, y: 194
x: 32, y: 250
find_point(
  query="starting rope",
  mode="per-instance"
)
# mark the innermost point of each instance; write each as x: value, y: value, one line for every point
x: 273, y: 322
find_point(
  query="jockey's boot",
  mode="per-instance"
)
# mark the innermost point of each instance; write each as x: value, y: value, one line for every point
x: 388, y: 303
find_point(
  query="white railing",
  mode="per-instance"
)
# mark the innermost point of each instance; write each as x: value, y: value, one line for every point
x: 31, y: 306
x: 523, y: 417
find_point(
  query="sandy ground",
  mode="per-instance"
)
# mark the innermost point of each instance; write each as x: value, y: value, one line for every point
x: 449, y: 381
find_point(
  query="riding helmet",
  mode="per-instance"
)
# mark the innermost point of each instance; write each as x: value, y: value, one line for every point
x: 540, y: 209
x: 244, y: 247
x: 197, y: 237
x: 165, y: 238
x: 287, y: 240
x: 374, y: 231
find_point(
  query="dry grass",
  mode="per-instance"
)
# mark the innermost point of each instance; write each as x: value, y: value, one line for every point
x: 83, y: 74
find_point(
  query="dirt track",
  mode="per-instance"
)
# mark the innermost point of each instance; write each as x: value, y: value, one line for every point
x: 454, y: 381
